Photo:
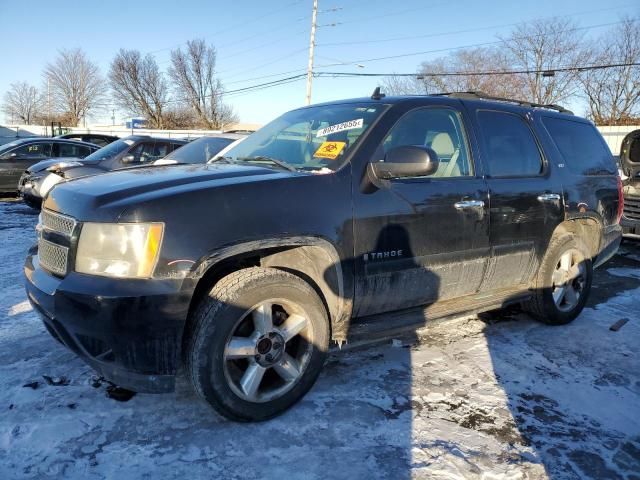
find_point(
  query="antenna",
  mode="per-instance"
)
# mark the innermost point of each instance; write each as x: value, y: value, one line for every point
x: 377, y: 95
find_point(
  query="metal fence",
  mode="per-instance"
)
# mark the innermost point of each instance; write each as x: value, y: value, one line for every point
x: 612, y: 135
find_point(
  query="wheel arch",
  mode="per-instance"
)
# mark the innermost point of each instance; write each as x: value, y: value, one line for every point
x: 314, y: 259
x: 588, y: 229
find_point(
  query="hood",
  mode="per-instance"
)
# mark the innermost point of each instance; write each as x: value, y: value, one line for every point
x: 44, y: 164
x: 84, y: 197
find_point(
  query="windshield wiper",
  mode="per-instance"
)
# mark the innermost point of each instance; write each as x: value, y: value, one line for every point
x: 221, y: 160
x: 263, y: 158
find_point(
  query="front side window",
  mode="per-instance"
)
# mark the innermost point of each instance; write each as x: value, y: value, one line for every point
x: 509, y: 146
x: 143, y: 152
x: 312, y: 138
x: 581, y: 146
x: 34, y: 151
x: 439, y: 129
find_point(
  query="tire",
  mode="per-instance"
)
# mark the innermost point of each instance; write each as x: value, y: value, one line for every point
x: 552, y: 302
x: 245, y: 366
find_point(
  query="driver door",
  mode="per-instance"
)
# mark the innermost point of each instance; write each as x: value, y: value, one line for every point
x: 422, y: 239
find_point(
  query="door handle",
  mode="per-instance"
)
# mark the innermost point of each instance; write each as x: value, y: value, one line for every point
x: 549, y: 197
x: 465, y: 204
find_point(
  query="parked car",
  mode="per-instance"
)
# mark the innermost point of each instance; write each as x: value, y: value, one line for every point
x: 38, y: 179
x: 200, y: 150
x: 314, y: 229
x: 630, y: 172
x: 95, y: 138
x: 16, y: 156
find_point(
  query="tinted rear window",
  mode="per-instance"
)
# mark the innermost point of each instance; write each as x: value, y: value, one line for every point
x: 581, y: 146
x: 509, y: 145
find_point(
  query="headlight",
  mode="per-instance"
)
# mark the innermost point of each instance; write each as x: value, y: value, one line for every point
x: 127, y: 250
x: 48, y: 183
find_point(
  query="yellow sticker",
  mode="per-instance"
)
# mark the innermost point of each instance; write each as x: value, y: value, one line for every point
x: 330, y: 150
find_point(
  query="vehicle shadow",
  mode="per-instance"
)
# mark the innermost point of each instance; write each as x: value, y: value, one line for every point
x: 503, y: 394
x: 571, y: 389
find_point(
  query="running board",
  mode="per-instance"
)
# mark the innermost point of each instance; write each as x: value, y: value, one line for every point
x: 405, y: 323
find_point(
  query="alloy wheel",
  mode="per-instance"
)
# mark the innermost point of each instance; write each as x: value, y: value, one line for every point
x: 268, y: 350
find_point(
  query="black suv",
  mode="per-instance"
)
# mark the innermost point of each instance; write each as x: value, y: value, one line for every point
x: 134, y: 150
x: 315, y: 228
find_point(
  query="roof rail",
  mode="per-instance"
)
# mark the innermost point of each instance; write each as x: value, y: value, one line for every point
x: 476, y: 95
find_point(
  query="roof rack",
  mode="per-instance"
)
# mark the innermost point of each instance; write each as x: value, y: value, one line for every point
x: 475, y: 95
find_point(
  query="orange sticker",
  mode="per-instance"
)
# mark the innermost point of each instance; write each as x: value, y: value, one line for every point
x: 330, y: 150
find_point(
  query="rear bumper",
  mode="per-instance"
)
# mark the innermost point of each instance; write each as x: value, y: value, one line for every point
x: 130, y: 332
x: 610, y: 243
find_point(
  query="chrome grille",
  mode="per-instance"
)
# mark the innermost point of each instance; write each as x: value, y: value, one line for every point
x: 53, y: 257
x: 57, y: 223
x: 632, y: 207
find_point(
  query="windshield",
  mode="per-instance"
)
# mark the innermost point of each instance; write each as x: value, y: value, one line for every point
x: 308, y: 139
x: 9, y: 146
x: 110, y: 150
x: 200, y: 150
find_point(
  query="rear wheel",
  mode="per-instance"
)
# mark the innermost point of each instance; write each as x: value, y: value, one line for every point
x: 258, y: 343
x: 563, y: 282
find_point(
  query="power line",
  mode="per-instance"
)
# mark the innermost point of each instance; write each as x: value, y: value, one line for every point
x: 252, y: 69
x: 439, y: 50
x: 254, y: 19
x: 582, y: 68
x: 250, y: 88
x: 470, y: 30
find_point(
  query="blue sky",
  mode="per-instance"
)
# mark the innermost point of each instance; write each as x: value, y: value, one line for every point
x: 260, y: 41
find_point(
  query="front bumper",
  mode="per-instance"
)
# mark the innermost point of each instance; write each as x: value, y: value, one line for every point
x: 28, y: 189
x: 129, y: 331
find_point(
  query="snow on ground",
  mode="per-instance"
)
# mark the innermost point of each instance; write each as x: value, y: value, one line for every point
x: 496, y: 397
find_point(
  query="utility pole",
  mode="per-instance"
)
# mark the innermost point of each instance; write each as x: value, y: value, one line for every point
x: 312, y: 44
x: 48, y: 98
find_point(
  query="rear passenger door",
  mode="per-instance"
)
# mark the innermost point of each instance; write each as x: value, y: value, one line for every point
x: 526, y: 202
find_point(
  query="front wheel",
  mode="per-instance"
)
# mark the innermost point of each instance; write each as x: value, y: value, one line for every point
x: 258, y: 343
x: 563, y: 282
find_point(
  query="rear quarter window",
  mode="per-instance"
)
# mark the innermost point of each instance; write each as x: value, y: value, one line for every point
x: 583, y: 150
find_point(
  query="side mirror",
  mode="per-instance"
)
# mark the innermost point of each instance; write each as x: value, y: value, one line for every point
x: 406, y: 161
x: 128, y: 159
x: 9, y: 156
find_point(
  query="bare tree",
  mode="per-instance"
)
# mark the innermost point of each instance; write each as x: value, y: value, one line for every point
x: 179, y: 116
x: 614, y: 93
x: 138, y: 85
x: 193, y: 75
x: 403, y: 85
x: 22, y: 102
x: 476, y: 69
x: 546, y: 45
x: 76, y: 84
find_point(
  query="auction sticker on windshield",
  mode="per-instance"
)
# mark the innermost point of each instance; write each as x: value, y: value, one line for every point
x: 340, y: 127
x: 329, y: 150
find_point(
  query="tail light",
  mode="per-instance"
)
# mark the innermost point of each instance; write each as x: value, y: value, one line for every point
x: 620, y: 200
